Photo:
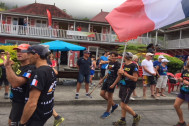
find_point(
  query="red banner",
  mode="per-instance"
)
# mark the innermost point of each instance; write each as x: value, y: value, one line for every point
x: 49, y: 18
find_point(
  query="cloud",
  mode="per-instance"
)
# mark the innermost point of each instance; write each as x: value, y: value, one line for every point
x: 76, y: 8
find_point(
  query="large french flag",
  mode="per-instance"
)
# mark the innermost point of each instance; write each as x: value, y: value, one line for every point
x: 136, y: 17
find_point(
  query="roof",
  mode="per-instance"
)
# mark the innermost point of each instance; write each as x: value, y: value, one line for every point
x: 40, y: 9
x: 179, y: 25
x: 100, y: 17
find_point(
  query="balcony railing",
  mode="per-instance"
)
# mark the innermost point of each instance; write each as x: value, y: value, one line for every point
x: 45, y: 32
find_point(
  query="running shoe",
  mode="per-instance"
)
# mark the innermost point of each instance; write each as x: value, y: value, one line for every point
x: 57, y: 122
x: 105, y: 115
x: 6, y: 96
x: 136, y: 120
x: 119, y: 123
x: 180, y: 124
x: 76, y: 96
x: 88, y: 95
x: 114, y: 107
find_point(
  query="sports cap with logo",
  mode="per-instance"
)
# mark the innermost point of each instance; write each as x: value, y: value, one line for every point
x: 22, y: 47
x: 129, y: 55
x: 38, y: 49
x: 161, y: 57
x: 149, y: 54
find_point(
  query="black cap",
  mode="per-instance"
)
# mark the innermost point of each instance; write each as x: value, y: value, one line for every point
x: 1, y: 50
x: 86, y: 51
x: 39, y: 49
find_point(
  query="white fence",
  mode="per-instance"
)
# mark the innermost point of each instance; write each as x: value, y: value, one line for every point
x: 46, y: 32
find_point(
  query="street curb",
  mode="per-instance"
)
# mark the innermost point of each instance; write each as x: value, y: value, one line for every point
x: 98, y: 102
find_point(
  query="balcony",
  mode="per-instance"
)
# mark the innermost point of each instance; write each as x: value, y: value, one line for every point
x: 65, y: 35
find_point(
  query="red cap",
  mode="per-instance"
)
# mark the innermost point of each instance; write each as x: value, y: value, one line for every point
x: 22, y: 47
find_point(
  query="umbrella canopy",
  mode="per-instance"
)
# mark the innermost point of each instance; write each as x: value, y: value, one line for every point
x: 161, y: 53
x: 63, y: 46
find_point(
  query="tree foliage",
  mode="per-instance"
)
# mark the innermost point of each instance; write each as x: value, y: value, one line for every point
x: 134, y: 48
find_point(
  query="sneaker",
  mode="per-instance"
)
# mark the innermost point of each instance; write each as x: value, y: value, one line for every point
x: 132, y: 98
x: 58, y: 121
x: 114, y: 107
x: 88, y: 95
x: 6, y: 96
x: 119, y: 123
x: 136, y: 120
x: 180, y: 124
x: 105, y: 115
x: 76, y: 96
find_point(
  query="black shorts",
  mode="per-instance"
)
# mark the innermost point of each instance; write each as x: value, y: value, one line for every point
x: 16, y: 112
x: 32, y: 122
x: 106, y: 86
x: 4, y: 80
x: 125, y: 94
x: 149, y: 80
x: 102, y: 72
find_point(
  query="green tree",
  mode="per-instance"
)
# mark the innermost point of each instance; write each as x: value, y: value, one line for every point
x: 3, y: 6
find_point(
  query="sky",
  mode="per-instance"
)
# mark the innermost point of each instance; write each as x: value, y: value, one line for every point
x: 76, y: 8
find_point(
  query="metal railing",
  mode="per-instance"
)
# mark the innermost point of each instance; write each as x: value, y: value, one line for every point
x: 46, y: 32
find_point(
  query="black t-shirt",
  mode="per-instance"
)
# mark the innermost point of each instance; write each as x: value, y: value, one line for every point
x: 185, y: 88
x: 44, y: 79
x: 113, y: 67
x: 18, y: 93
x: 84, y: 65
x: 130, y: 69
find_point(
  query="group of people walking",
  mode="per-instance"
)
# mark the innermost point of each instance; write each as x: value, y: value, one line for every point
x: 33, y: 83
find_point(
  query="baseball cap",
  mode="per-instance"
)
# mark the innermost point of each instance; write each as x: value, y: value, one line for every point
x: 39, y: 49
x: 164, y: 60
x: 161, y: 57
x: 128, y: 55
x: 86, y: 51
x: 2, y: 51
x: 22, y: 47
x: 149, y: 54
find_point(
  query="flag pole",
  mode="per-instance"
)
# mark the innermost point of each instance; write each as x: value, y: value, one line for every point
x: 123, y: 55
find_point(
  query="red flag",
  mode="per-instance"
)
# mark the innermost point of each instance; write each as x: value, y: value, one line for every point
x: 49, y: 18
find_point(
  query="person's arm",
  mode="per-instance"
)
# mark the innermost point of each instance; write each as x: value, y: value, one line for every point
x: 94, y: 64
x: 157, y: 68
x: 104, y: 62
x: 145, y: 69
x: 30, y: 106
x: 133, y: 77
x: 13, y: 79
x: 186, y: 82
x: 116, y: 81
x: 56, y: 72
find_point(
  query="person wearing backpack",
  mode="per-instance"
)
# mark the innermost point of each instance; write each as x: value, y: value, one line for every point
x: 162, y: 77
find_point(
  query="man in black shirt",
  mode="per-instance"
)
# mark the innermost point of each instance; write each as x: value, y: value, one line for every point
x: 39, y: 106
x: 128, y: 76
x: 84, y: 65
x: 106, y: 91
x: 18, y: 81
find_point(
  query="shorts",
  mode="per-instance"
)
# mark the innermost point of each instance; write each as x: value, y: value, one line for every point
x: 106, y: 86
x: 162, y: 82
x: 92, y: 72
x: 81, y: 78
x: 184, y: 97
x: 102, y: 72
x: 125, y: 94
x: 148, y: 80
x: 32, y: 122
x: 16, y: 112
x: 4, y: 79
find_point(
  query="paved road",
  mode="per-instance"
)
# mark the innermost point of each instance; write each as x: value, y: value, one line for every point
x: 152, y: 115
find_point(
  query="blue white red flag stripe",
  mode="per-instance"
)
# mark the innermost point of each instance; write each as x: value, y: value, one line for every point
x: 34, y: 82
x: 136, y: 17
x: 28, y: 75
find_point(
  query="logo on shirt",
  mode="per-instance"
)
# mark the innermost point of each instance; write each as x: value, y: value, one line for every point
x: 18, y: 71
x: 110, y: 66
x: 28, y: 75
x: 127, y: 69
x: 52, y: 86
x: 34, y: 82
